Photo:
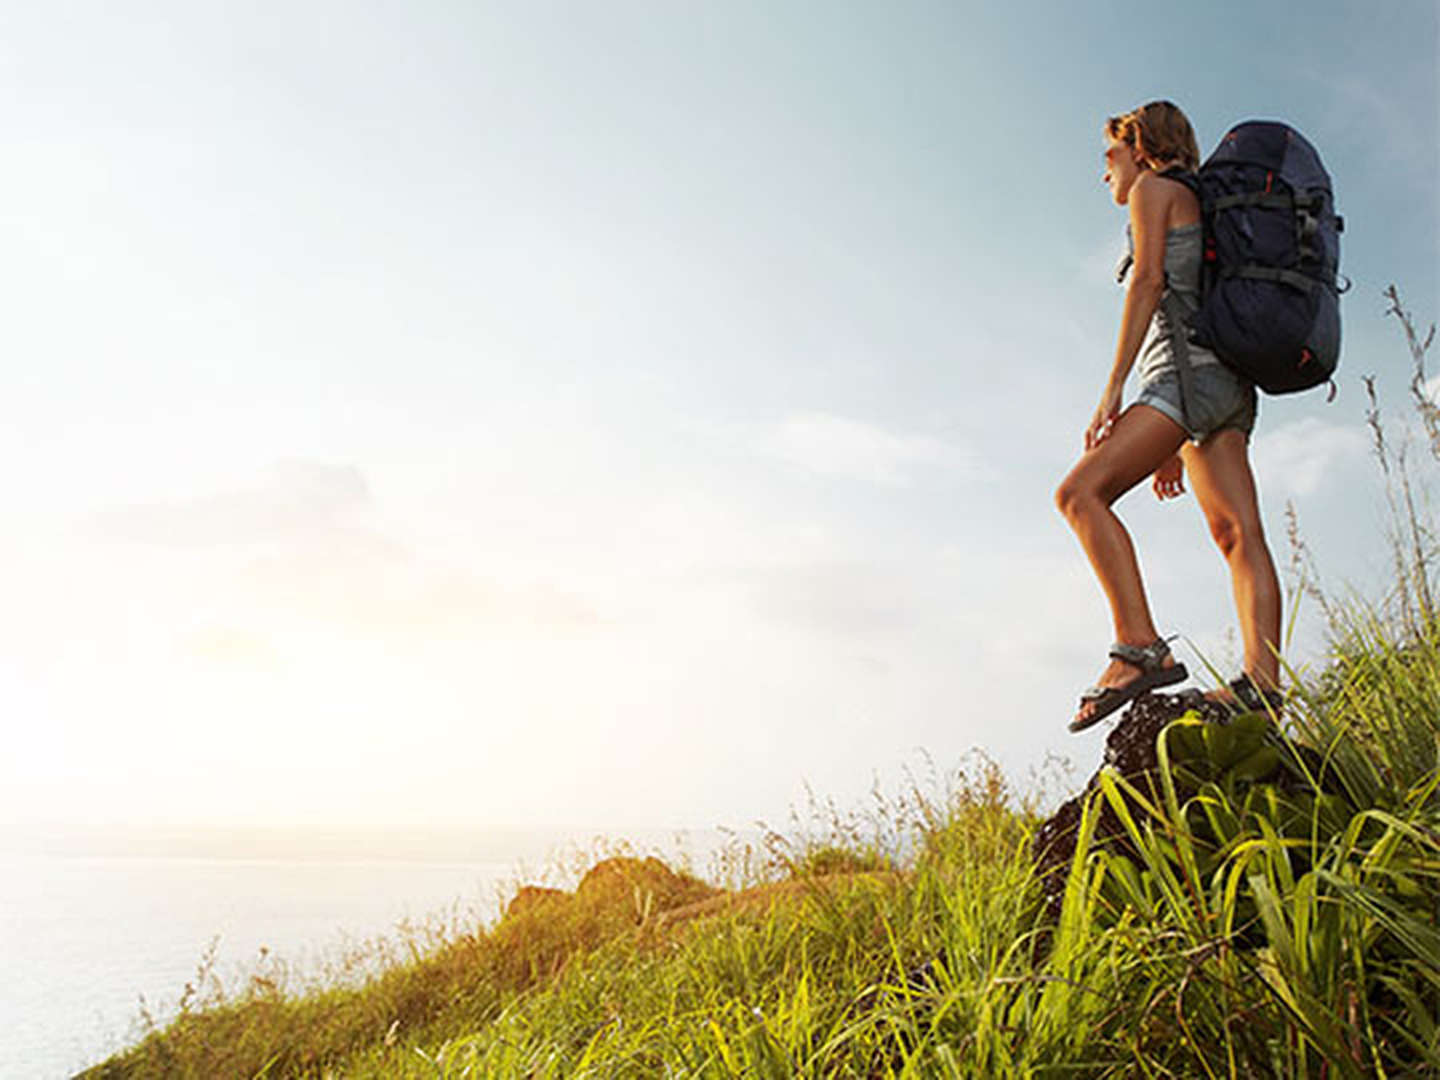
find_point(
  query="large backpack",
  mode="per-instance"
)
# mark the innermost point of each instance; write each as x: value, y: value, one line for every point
x: 1269, y: 303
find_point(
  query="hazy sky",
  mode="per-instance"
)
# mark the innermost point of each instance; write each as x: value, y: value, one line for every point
x: 615, y: 413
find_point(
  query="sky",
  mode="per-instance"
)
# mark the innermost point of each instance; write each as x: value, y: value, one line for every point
x: 638, y: 414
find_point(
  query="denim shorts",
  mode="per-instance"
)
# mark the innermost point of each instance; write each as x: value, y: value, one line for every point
x: 1219, y: 399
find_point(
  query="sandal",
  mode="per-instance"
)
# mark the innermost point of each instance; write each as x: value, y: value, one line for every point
x: 1150, y: 659
x: 1249, y: 694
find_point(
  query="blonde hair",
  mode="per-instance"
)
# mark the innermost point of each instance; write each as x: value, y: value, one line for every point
x: 1159, y: 132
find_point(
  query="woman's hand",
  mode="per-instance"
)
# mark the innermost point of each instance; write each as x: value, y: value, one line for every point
x: 1170, y: 479
x: 1104, y: 419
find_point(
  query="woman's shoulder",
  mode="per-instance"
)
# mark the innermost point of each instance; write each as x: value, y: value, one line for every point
x: 1159, y: 184
x: 1166, y: 197
x: 1150, y: 197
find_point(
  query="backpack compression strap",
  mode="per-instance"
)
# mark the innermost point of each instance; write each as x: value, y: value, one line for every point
x: 1274, y: 201
x: 1305, y: 208
x: 1300, y: 281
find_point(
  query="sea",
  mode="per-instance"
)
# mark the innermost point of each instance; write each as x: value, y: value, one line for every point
x: 102, y: 927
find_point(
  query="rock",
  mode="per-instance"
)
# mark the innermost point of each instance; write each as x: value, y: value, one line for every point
x: 639, y: 885
x: 530, y: 897
x: 615, y: 892
x: 1130, y: 751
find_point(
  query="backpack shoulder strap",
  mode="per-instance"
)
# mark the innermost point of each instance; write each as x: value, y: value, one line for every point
x: 1183, y: 176
x: 1171, y: 307
x: 1179, y: 337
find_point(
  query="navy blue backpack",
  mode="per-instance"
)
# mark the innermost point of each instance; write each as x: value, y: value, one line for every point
x: 1269, y: 291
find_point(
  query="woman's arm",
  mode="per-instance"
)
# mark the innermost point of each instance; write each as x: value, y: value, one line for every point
x: 1148, y: 213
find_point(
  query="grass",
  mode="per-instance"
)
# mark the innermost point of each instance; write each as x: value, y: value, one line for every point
x: 1269, y: 908
x: 1269, y: 919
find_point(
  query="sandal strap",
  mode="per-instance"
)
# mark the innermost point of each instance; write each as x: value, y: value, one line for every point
x: 1252, y: 696
x: 1145, y: 657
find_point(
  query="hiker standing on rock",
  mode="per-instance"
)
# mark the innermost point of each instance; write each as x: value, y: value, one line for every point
x: 1204, y: 432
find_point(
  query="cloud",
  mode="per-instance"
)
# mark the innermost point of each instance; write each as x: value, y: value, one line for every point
x: 838, y: 446
x: 369, y: 595
x: 1299, y: 457
x: 290, y: 499
x: 306, y: 549
x: 844, y: 598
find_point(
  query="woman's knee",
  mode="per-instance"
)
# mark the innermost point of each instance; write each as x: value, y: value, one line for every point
x: 1065, y: 497
x: 1236, y: 536
x: 1073, y: 495
x: 1225, y: 531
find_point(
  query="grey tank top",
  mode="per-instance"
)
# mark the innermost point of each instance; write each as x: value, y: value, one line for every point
x: 1183, y: 252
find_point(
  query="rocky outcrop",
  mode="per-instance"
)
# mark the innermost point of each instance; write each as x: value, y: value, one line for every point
x: 645, y: 886
x: 1130, y: 751
x: 615, y: 892
x: 530, y: 898
x: 1234, y: 751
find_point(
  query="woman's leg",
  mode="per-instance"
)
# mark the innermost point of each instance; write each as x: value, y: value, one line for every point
x: 1224, y: 486
x: 1140, y: 441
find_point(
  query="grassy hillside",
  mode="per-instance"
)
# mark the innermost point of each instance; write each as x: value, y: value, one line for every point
x: 1263, y: 910
x: 1246, y: 898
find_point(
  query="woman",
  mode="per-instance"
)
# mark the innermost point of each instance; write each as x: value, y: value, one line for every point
x: 1204, y: 431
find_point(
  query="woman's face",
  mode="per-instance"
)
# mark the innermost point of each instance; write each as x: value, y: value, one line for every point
x: 1122, y: 166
